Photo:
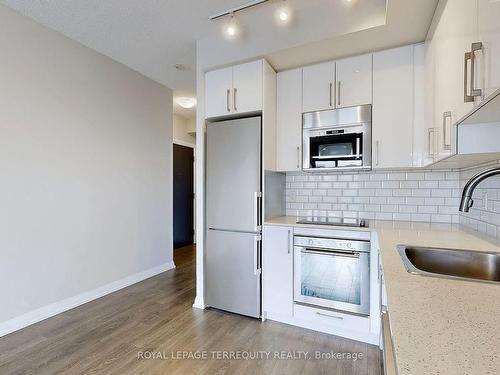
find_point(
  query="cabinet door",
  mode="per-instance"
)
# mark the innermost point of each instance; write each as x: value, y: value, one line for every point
x: 247, y: 87
x: 420, y: 151
x: 393, y: 98
x: 218, y: 88
x: 453, y: 37
x: 354, y: 81
x: 317, y: 87
x: 489, y: 35
x: 289, y: 120
x: 277, y: 277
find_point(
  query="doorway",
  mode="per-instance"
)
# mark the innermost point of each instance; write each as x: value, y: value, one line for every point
x: 183, y: 194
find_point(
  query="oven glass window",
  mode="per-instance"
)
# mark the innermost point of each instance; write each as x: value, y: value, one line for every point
x: 336, y: 149
x: 331, y: 277
x: 339, y: 150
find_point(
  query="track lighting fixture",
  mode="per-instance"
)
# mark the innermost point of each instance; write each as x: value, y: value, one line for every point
x: 231, y: 28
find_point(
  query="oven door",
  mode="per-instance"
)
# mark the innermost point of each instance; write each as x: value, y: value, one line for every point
x: 336, y: 279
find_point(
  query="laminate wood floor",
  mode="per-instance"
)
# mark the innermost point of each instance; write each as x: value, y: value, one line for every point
x: 117, y: 334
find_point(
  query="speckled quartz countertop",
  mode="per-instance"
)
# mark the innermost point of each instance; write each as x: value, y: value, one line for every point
x: 439, y: 326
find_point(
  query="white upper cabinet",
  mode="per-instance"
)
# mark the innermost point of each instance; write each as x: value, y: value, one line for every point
x: 354, y: 81
x: 218, y: 92
x: 423, y: 134
x: 344, y: 83
x: 247, y: 87
x: 452, y: 40
x: 234, y: 90
x: 289, y: 120
x: 393, y: 104
x: 489, y: 35
x: 318, y: 87
x: 277, y: 275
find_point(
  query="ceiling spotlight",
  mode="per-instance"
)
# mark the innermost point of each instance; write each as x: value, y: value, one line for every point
x: 231, y: 28
x: 283, y: 13
x: 185, y: 102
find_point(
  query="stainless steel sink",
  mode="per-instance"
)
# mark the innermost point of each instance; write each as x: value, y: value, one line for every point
x: 451, y: 263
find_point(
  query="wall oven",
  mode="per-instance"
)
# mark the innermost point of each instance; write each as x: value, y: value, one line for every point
x: 332, y: 273
x: 337, y: 139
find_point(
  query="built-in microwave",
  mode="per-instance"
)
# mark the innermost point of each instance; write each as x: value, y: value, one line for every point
x: 337, y: 139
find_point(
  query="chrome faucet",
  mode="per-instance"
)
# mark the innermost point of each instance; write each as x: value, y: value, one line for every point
x: 467, y: 201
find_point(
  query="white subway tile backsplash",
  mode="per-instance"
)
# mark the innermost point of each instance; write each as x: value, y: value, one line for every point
x: 428, y: 209
x: 425, y: 196
x: 396, y: 176
x: 421, y: 192
x: 435, y: 175
x: 409, y: 184
x: 415, y: 200
x: 410, y: 176
x: 428, y: 184
x: 441, y: 192
x: 396, y: 200
x: 378, y: 177
x: 449, y: 184
x: 390, y: 184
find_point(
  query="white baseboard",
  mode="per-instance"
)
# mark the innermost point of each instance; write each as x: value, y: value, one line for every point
x: 199, y: 303
x: 48, y: 311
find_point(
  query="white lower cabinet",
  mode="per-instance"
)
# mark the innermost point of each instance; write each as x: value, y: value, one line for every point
x: 277, y: 272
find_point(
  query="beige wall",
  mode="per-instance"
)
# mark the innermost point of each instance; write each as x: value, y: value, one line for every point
x: 86, y: 176
x: 182, y: 128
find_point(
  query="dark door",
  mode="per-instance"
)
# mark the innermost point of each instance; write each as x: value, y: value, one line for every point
x: 183, y: 196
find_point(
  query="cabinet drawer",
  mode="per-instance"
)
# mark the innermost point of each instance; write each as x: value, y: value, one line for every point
x: 333, y: 319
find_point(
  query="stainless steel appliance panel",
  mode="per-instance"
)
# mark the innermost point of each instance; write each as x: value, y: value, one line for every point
x: 338, y: 117
x: 233, y: 271
x: 233, y: 181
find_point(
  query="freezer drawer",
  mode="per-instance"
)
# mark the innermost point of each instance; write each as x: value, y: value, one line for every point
x: 232, y: 263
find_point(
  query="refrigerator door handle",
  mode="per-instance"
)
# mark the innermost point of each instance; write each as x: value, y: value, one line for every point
x: 257, y: 268
x: 256, y: 209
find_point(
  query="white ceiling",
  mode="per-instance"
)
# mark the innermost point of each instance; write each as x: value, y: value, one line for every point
x: 151, y: 36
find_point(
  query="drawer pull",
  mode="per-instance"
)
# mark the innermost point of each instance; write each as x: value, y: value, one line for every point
x: 330, y: 316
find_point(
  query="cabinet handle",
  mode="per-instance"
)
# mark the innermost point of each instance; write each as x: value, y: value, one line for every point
x: 430, y: 135
x: 234, y: 100
x: 470, y: 56
x: 257, y: 210
x: 289, y: 242
x: 377, y: 147
x: 257, y: 269
x: 298, y: 157
x: 228, y: 92
x: 446, y: 145
x: 331, y: 89
x: 338, y: 93
x: 330, y: 316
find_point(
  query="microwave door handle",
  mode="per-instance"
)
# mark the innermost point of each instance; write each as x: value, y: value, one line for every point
x: 358, y: 144
x: 347, y: 254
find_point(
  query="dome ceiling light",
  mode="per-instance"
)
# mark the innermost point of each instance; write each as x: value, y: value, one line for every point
x: 186, y: 102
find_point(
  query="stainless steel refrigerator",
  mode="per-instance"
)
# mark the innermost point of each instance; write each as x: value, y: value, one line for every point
x: 233, y: 216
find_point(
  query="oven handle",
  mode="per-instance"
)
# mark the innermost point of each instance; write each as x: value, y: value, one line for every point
x: 348, y: 254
